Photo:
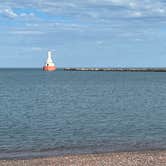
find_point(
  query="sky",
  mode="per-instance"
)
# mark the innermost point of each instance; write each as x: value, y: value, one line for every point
x: 83, y: 33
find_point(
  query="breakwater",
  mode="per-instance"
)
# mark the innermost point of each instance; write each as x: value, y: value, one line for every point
x: 118, y: 69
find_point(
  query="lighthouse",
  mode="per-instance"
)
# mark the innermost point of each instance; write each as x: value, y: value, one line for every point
x: 49, y: 65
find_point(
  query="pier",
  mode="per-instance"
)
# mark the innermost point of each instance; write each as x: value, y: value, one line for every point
x: 118, y: 69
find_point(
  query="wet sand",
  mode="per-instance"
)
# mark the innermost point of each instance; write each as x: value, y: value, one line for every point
x: 151, y: 158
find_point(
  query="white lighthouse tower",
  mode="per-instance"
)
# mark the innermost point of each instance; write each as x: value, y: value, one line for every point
x: 49, y: 65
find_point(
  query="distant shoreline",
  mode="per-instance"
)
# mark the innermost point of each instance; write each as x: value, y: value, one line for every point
x: 117, y: 69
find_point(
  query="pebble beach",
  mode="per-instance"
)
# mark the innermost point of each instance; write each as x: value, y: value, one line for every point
x: 150, y: 158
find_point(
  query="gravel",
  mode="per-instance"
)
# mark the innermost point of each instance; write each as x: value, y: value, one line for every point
x: 151, y: 158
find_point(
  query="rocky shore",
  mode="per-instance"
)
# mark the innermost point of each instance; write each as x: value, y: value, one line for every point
x: 151, y: 158
x: 118, y: 69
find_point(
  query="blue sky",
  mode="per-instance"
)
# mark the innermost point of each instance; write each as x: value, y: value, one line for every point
x: 99, y: 33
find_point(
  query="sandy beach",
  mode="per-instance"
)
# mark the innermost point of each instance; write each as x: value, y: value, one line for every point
x: 150, y: 158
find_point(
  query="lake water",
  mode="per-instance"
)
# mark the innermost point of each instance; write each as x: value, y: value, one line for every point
x: 66, y: 112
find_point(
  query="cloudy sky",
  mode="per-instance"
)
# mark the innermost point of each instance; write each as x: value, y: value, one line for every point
x: 100, y: 33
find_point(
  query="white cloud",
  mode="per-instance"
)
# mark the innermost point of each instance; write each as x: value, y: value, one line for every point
x: 90, y: 8
x: 8, y: 13
x: 32, y: 24
x: 74, y: 15
x: 99, y: 42
x: 27, y: 32
x: 136, y: 14
x: 27, y: 14
x: 37, y: 49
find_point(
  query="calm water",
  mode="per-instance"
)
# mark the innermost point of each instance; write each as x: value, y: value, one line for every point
x: 53, y: 113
